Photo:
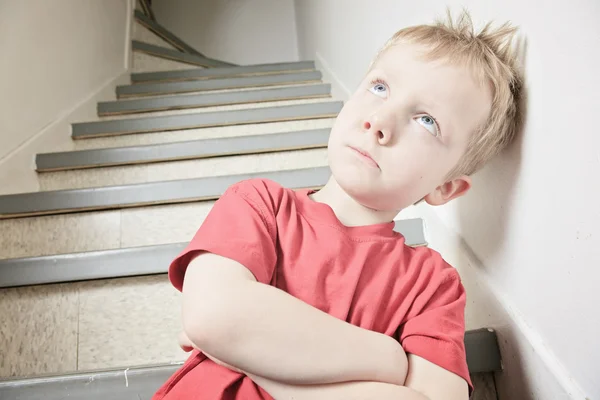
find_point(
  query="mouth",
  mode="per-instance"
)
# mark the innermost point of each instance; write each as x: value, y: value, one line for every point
x: 365, y: 157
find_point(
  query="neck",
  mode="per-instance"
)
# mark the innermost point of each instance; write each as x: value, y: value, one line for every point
x: 347, y: 210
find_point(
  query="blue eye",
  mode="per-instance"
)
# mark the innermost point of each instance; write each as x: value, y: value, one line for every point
x: 429, y: 123
x: 378, y: 88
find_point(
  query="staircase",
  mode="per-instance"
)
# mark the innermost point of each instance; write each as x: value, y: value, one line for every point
x: 84, y: 296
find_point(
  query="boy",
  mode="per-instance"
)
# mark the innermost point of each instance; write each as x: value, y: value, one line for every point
x: 311, y: 294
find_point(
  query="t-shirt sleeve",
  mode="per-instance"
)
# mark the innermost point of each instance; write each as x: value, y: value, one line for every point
x: 240, y: 226
x: 437, y: 332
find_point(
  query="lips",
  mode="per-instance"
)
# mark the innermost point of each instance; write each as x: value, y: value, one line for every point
x: 365, y: 156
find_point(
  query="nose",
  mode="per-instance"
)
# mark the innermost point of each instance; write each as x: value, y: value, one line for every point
x: 380, y: 125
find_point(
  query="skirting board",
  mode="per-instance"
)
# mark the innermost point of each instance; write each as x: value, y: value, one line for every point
x: 193, y: 149
x: 152, y: 104
x: 236, y: 82
x: 135, y: 261
x: 210, y: 73
x: 140, y: 383
x: 84, y: 130
x: 144, y: 194
x: 175, y: 55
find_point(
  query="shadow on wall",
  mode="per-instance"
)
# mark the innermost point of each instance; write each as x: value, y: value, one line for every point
x: 483, y: 215
x: 483, y: 221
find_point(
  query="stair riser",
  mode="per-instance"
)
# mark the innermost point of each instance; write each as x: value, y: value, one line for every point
x: 201, y: 133
x: 161, y: 88
x: 216, y: 73
x: 143, y: 63
x: 89, y: 325
x: 296, y: 112
x: 165, y: 103
x: 207, y: 148
x: 198, y: 168
x: 215, y: 108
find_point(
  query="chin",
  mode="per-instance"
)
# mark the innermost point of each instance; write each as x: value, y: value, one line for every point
x: 367, y: 189
x: 362, y: 188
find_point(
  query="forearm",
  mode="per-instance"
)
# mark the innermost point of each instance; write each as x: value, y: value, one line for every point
x: 267, y: 332
x: 337, y: 391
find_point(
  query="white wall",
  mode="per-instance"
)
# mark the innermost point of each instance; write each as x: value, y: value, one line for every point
x: 55, y: 54
x: 241, y: 32
x: 531, y: 225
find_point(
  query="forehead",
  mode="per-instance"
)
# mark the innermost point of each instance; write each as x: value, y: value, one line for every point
x: 449, y: 89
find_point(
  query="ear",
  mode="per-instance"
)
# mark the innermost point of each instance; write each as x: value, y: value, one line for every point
x: 449, y: 191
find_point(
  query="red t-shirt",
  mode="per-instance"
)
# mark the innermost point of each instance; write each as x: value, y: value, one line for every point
x: 365, y: 275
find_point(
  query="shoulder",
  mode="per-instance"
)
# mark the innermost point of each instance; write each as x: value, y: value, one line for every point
x: 431, y: 268
x: 264, y: 194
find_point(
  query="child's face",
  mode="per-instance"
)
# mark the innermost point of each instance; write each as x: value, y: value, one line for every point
x: 414, y: 119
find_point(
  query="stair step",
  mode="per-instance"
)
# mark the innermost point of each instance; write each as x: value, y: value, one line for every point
x: 186, y: 150
x: 164, y: 34
x: 118, y: 263
x: 200, y: 134
x: 166, y: 192
x: 151, y: 104
x: 175, y: 55
x: 145, y: 35
x: 140, y: 383
x: 237, y: 82
x: 208, y: 73
x: 205, y: 119
x: 182, y: 169
x: 146, y: 63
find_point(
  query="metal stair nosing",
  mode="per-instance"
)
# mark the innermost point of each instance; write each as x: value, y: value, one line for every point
x: 231, y: 83
x: 138, y: 125
x: 126, y: 262
x: 175, y: 55
x: 211, y: 73
x: 185, y: 150
x: 181, y: 102
x: 145, y: 194
x: 141, y: 382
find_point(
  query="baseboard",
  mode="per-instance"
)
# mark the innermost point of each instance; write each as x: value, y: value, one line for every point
x: 339, y: 91
x: 531, y: 370
x: 17, y: 169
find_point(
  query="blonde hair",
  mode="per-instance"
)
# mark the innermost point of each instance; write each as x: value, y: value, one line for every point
x: 492, y: 58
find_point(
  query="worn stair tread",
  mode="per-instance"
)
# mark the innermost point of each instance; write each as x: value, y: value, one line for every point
x: 236, y: 82
x: 193, y: 149
x: 119, y: 263
x: 142, y: 194
x: 209, y: 73
x: 175, y: 55
x: 165, y: 34
x: 152, y: 104
x: 140, y: 383
x: 205, y: 119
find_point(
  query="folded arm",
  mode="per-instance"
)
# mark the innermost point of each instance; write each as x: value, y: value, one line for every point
x: 425, y: 381
x: 269, y: 333
x: 338, y: 391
